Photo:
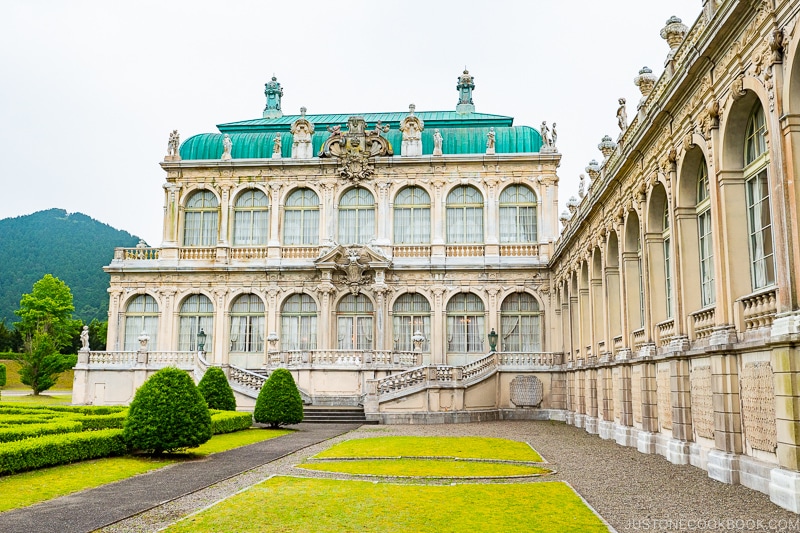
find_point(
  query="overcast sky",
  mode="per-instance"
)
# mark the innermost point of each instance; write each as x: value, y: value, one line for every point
x: 91, y: 89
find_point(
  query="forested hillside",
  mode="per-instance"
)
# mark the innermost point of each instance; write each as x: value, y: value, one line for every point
x: 71, y: 246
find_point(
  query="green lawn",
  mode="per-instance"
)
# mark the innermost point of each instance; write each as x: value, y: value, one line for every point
x: 460, y: 447
x: 13, y: 383
x: 438, y: 468
x: 47, y: 398
x: 322, y: 505
x: 20, y: 490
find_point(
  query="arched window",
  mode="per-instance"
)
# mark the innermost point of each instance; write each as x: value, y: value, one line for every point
x: 301, y: 219
x: 705, y: 238
x: 464, y: 215
x: 356, y: 217
x: 197, y: 313
x: 354, y: 321
x: 200, y: 220
x: 141, y: 316
x: 520, y: 324
x: 759, y: 218
x: 412, y: 216
x: 465, y: 324
x: 666, y: 239
x: 299, y: 323
x: 411, y: 313
x: 247, y: 324
x: 517, y: 215
x: 251, y: 219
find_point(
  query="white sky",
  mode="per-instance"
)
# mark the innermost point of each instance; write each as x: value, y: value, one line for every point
x: 91, y: 89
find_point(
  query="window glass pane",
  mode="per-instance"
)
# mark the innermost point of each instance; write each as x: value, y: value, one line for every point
x: 251, y: 219
x: 464, y: 215
x: 247, y: 324
x: 519, y: 324
x: 301, y: 219
x: 196, y: 313
x: 141, y: 315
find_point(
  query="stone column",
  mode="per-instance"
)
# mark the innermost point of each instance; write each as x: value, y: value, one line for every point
x: 171, y: 213
x: 326, y: 317
x: 225, y: 208
x: 327, y: 211
x: 784, y: 484
x: 275, y: 214
x: 437, y: 222
x: 222, y: 320
x: 646, y: 441
x: 492, y: 232
x: 623, y: 433
x: 438, y: 327
x: 113, y: 341
x: 591, y: 402
x: 681, y: 402
x: 723, y: 463
x: 623, y: 293
x: 383, y: 214
x: 166, y: 339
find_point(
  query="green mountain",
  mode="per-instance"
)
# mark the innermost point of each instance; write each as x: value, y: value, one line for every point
x: 71, y: 246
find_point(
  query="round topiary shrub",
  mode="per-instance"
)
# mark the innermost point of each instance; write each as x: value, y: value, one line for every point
x: 279, y: 401
x: 215, y: 389
x: 167, y: 413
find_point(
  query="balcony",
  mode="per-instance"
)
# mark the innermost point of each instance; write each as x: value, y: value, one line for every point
x: 519, y: 250
x: 465, y: 250
x: 411, y: 251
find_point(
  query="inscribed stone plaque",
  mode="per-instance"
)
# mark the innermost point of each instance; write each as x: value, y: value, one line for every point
x: 702, y: 402
x: 526, y: 391
x: 758, y: 406
x: 664, y: 398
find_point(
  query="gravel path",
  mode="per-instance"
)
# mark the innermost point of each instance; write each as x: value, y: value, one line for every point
x: 630, y: 490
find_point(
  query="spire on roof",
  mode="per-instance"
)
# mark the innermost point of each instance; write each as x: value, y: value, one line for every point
x: 273, y: 91
x: 465, y: 86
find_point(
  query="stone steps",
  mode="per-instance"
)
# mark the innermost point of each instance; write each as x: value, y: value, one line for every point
x: 334, y: 415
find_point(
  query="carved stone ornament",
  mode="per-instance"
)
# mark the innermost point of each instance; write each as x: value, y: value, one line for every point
x: 354, y: 148
x: 355, y: 266
x: 302, y: 130
x: 526, y: 391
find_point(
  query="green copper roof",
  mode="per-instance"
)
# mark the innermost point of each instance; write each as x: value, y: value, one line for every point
x: 456, y: 140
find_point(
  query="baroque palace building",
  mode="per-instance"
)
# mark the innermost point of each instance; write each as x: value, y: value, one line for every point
x: 413, y: 262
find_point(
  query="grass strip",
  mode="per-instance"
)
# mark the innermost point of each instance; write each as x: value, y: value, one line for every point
x: 440, y: 468
x: 322, y: 505
x: 460, y: 447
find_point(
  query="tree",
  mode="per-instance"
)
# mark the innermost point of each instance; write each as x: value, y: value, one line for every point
x: 215, y: 389
x: 279, y: 402
x: 167, y: 413
x: 47, y: 326
x: 2, y: 376
x: 10, y: 338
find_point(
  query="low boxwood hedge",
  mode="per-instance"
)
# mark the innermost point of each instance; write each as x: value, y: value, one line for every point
x: 53, y: 450
x: 27, y: 431
x: 230, y: 421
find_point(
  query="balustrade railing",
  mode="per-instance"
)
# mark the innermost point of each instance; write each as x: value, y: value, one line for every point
x: 245, y: 378
x: 192, y: 253
x: 183, y: 359
x: 519, y: 250
x: 529, y: 359
x: 617, y: 343
x: 759, y: 309
x: 240, y: 253
x: 300, y: 252
x: 638, y: 339
x: 343, y: 358
x: 478, y: 368
x: 130, y: 358
x: 411, y: 251
x: 113, y: 358
x: 703, y: 322
x: 465, y: 250
x: 666, y: 330
x: 137, y: 254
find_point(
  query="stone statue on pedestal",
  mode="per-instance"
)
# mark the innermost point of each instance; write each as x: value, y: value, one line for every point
x: 437, y: 142
x: 490, y: 142
x: 227, y: 145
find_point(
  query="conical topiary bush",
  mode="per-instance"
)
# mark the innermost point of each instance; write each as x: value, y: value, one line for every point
x: 279, y: 402
x: 216, y: 390
x: 167, y: 413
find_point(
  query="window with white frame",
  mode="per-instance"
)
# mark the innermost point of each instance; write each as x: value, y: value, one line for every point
x: 251, y: 219
x: 247, y: 324
x: 517, y: 215
x: 411, y: 313
x: 465, y: 317
x: 200, y: 219
x: 520, y: 324
x: 141, y: 316
x: 759, y: 217
x: 354, y: 323
x: 357, y: 217
x: 464, y: 215
x: 299, y: 323
x: 412, y: 216
x: 196, y: 314
x: 301, y: 219
x: 666, y: 241
x: 705, y: 238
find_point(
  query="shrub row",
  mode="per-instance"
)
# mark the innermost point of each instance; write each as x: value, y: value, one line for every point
x: 52, y: 450
x: 109, y: 421
x: 27, y: 431
x: 230, y: 421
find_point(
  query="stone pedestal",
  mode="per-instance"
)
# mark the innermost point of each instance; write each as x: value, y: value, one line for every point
x: 623, y: 435
x: 723, y: 466
x: 678, y: 452
x: 784, y: 489
x: 605, y: 429
x: 590, y: 423
x: 579, y: 420
x: 570, y: 418
x: 646, y: 442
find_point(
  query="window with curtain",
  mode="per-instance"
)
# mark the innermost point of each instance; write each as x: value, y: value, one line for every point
x: 520, y: 324
x: 411, y: 313
x: 759, y: 217
x: 412, y: 216
x: 465, y: 317
x: 200, y: 219
x: 354, y: 323
x: 301, y: 219
x: 299, y: 323
x: 251, y: 219
x: 197, y: 313
x: 247, y: 324
x: 357, y: 217
x: 464, y: 215
x: 666, y: 240
x: 517, y: 215
x: 705, y: 238
x: 141, y: 315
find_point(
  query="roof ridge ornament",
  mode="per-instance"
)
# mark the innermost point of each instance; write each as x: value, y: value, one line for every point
x: 465, y: 86
x: 273, y: 91
x: 355, y: 148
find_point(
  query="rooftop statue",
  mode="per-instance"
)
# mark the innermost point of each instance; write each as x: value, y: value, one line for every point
x: 173, y: 145
x: 437, y: 142
x: 622, y: 116
x: 490, y: 142
x: 276, y: 146
x: 227, y: 145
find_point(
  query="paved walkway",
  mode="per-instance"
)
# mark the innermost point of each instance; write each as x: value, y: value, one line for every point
x: 92, y: 509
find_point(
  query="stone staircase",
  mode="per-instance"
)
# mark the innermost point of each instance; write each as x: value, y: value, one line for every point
x: 315, y: 414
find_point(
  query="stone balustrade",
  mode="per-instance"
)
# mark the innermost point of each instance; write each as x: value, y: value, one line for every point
x: 529, y: 359
x: 112, y: 358
x: 246, y: 379
x: 300, y: 252
x: 618, y: 343
x: 759, y: 309
x: 343, y: 358
x: 703, y: 323
x: 137, y: 254
x: 481, y: 367
x: 665, y: 331
x: 202, y: 254
x: 464, y: 250
x: 519, y: 250
x: 179, y: 359
x: 411, y: 251
x: 638, y: 339
x: 249, y: 253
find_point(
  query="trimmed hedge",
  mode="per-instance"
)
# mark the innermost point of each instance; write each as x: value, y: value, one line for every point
x: 96, y: 422
x: 52, y: 450
x: 2, y: 375
x: 230, y: 421
x: 279, y: 402
x: 27, y: 431
x: 216, y: 390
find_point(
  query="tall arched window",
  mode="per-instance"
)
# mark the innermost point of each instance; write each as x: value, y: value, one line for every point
x: 356, y: 217
x: 354, y: 323
x: 299, y: 323
x: 412, y: 216
x: 517, y: 215
x: 411, y: 313
x: 520, y: 324
x: 666, y: 239
x: 465, y: 324
x: 200, y: 219
x: 197, y: 313
x: 464, y: 215
x: 759, y: 218
x: 251, y: 219
x: 705, y: 238
x: 141, y: 315
x: 247, y: 324
x: 301, y: 219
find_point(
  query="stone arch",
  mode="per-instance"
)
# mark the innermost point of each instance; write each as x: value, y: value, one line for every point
x: 613, y: 288
x: 633, y: 268
x: 659, y: 245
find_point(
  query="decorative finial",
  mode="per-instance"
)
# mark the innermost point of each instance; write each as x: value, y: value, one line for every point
x: 273, y: 91
x: 303, y: 111
x: 411, y: 109
x: 465, y: 87
x: 593, y: 170
x: 645, y: 81
x: 607, y: 146
x: 674, y: 32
